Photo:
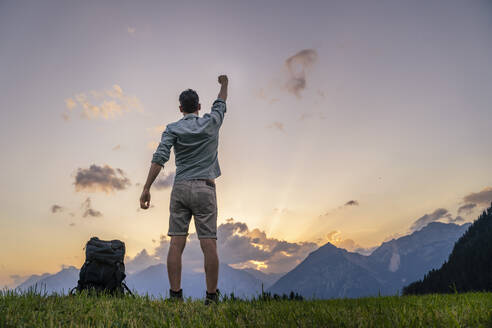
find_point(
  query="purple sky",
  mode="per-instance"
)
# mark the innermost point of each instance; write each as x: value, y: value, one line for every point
x: 384, y: 103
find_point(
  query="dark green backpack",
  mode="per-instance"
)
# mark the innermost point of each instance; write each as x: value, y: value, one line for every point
x: 103, y: 270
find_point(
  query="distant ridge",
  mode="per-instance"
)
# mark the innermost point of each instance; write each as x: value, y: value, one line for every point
x: 153, y: 281
x: 469, y: 267
x: 331, y: 272
x: 328, y: 272
x: 60, y: 282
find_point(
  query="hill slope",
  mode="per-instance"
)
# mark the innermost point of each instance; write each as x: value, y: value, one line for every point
x: 469, y: 267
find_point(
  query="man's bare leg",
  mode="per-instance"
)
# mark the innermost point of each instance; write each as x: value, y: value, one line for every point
x: 211, y: 263
x: 176, y: 248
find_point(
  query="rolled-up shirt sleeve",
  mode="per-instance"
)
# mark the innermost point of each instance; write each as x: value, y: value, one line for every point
x: 218, y: 111
x: 161, y: 155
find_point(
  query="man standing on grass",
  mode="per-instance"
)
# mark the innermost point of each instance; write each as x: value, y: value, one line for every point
x: 195, y: 140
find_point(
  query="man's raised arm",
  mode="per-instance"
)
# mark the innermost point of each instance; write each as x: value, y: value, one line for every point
x: 219, y: 105
x: 223, y: 81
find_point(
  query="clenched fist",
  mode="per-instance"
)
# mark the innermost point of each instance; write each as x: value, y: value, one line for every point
x: 145, y: 199
x: 223, y: 80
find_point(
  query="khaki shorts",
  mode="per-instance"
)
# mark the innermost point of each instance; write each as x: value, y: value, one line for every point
x: 197, y: 198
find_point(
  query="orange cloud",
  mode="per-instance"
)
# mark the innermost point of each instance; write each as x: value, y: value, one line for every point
x: 106, y: 104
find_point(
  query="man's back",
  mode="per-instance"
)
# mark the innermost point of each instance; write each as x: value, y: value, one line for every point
x: 195, y: 140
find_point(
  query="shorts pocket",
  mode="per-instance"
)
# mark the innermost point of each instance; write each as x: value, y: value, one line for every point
x: 205, y: 200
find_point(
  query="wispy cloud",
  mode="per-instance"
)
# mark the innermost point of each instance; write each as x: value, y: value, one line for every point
x: 262, y: 94
x: 70, y: 103
x: 473, y: 200
x: 440, y: 214
x: 106, y: 104
x: 467, y: 208
x: 56, y: 208
x: 352, y: 203
x: 483, y: 197
x: 335, y: 237
x: 349, y: 203
x: 458, y: 219
x: 165, y: 181
x: 395, y: 235
x: 297, y: 66
x: 277, y: 126
x: 307, y: 115
x: 131, y: 30
x: 100, y: 178
x: 88, y: 210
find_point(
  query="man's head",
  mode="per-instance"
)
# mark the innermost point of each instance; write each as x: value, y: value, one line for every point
x: 188, y: 101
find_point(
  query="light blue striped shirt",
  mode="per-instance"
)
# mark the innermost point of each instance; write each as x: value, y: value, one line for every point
x: 195, y: 140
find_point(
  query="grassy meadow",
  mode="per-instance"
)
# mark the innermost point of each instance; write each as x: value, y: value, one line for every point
x: 453, y: 310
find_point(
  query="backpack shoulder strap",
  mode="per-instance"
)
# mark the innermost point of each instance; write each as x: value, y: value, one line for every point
x: 72, y: 291
x: 127, y: 289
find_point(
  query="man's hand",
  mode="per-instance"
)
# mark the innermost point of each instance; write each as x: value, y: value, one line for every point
x: 223, y: 80
x: 153, y: 173
x: 145, y: 199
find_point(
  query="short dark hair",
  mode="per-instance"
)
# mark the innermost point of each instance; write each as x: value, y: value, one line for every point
x: 188, y: 100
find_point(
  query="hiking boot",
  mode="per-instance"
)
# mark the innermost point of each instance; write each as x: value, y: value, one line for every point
x: 212, y: 298
x: 176, y: 296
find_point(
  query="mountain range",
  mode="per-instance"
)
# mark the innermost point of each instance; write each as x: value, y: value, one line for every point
x: 331, y: 272
x: 153, y: 281
x: 468, y: 267
x: 328, y: 272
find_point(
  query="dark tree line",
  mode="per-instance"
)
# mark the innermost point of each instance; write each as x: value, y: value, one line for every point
x: 469, y: 267
x: 267, y: 296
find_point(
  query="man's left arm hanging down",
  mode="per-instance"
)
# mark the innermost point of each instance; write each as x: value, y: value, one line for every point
x: 160, y: 157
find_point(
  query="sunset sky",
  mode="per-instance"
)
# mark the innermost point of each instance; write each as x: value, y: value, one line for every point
x: 347, y: 121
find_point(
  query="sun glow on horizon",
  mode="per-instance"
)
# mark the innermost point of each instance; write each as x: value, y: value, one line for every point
x: 252, y: 264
